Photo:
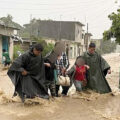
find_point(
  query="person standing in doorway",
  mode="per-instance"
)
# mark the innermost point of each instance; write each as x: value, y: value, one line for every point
x: 6, y: 58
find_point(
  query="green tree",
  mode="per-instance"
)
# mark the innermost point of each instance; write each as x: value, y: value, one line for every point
x: 8, y: 21
x: 39, y: 40
x: 17, y: 48
x: 47, y: 47
x: 114, y: 30
x: 106, y: 35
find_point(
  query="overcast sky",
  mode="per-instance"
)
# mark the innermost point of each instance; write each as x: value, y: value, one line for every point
x: 95, y: 12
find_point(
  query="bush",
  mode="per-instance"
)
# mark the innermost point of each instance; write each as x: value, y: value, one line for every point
x: 47, y: 48
x: 17, y: 48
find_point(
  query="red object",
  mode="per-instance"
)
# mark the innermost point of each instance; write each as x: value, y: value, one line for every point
x: 80, y: 73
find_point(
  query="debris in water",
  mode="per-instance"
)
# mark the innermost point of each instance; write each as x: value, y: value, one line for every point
x: 86, y: 95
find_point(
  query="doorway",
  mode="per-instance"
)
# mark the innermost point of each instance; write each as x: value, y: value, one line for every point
x: 5, y: 43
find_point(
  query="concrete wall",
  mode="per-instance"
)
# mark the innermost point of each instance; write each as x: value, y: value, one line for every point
x: 97, y: 42
x: 84, y: 48
x: 50, y: 41
x: 79, y: 37
x: 6, y: 31
x: 74, y: 50
x: 54, y: 29
x: 78, y: 33
x: 71, y: 52
x: 0, y: 48
x: 118, y: 48
x: 11, y: 48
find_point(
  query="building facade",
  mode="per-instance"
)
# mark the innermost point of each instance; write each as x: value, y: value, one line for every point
x: 98, y: 42
x: 87, y: 40
x: 6, y: 41
x: 69, y: 31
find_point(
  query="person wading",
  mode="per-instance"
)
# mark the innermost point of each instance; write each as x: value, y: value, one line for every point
x: 62, y: 64
x: 28, y: 74
x: 98, y: 70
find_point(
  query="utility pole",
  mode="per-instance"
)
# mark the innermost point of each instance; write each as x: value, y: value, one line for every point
x: 87, y: 27
x: 101, y: 45
x: 60, y: 28
x: 87, y: 38
x: 31, y: 30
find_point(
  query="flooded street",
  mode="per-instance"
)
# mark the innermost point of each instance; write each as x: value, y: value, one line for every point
x: 87, y: 106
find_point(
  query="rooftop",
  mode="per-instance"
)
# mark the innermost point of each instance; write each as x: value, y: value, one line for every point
x: 3, y: 24
x: 77, y: 22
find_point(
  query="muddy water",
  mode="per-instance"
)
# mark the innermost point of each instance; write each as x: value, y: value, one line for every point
x: 86, y: 106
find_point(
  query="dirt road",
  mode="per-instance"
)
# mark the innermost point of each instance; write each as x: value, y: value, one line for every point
x: 88, y: 106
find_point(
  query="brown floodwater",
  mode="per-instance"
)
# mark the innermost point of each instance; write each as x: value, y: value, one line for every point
x: 86, y: 106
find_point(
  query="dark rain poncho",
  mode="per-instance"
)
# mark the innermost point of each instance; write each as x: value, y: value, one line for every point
x: 32, y: 84
x: 96, y: 73
x: 49, y: 71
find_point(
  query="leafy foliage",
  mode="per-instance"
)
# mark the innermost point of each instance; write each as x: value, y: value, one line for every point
x: 17, y: 48
x: 107, y: 35
x: 8, y: 21
x: 114, y: 30
x: 47, y: 47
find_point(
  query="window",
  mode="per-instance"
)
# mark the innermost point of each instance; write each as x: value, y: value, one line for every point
x: 71, y: 52
x: 82, y: 36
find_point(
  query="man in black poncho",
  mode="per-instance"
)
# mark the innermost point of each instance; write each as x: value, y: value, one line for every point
x: 28, y: 74
x: 98, y: 70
